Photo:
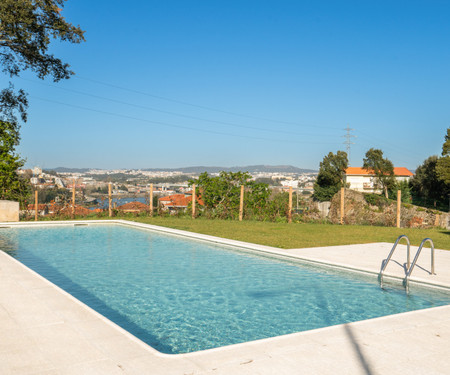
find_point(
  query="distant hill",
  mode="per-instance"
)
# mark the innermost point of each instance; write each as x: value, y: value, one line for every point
x: 248, y: 168
x: 69, y: 170
x: 201, y: 169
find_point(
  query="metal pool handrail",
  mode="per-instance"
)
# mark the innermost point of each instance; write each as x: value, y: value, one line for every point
x: 410, y: 269
x: 380, y: 276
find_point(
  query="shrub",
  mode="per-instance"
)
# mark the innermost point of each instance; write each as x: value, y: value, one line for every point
x: 376, y: 200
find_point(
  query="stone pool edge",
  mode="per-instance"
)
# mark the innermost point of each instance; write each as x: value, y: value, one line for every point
x: 282, y: 340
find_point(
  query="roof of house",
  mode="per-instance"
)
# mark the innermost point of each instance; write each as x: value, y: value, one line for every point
x: 41, y: 206
x: 79, y: 210
x: 179, y: 200
x: 398, y: 171
x: 135, y: 206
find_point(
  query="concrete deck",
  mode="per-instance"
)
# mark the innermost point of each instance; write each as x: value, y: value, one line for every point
x: 44, y: 330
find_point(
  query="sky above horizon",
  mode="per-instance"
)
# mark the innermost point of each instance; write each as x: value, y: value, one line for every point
x: 182, y: 83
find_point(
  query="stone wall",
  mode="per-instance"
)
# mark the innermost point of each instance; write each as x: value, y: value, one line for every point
x: 9, y: 211
x: 358, y: 211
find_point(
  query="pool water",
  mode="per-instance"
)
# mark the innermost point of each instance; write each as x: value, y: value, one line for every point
x: 180, y: 295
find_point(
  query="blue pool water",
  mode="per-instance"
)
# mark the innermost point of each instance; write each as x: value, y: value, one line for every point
x: 183, y: 295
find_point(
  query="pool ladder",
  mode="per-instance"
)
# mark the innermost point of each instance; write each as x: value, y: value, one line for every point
x: 409, y: 266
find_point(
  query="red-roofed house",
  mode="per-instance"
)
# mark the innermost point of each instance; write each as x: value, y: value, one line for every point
x: 178, y: 201
x: 360, y: 179
x: 79, y: 210
x: 134, y: 207
x: 42, y: 209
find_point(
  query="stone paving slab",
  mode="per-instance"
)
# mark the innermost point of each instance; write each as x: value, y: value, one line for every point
x: 44, y: 330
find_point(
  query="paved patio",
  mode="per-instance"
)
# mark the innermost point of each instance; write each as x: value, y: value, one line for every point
x: 44, y: 330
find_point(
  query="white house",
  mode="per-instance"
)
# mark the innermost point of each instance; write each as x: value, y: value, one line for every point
x: 360, y: 179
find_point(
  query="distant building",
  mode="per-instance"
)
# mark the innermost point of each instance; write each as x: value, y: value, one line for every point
x: 363, y: 180
x: 293, y: 183
x: 59, y: 182
x: 133, y: 207
x: 177, y: 201
x: 37, y: 171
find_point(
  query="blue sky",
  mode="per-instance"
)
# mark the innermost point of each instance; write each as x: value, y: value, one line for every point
x: 226, y: 83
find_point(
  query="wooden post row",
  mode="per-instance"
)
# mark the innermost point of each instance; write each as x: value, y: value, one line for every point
x: 151, y: 199
x: 73, y: 199
x: 290, y: 205
x: 35, y: 205
x: 399, y: 206
x: 109, y: 199
x: 241, y: 204
x: 193, y: 201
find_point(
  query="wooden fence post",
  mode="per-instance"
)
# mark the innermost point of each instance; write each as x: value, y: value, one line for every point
x: 73, y: 199
x: 151, y: 199
x: 399, y: 206
x: 290, y: 205
x: 342, y: 205
x: 193, y: 201
x: 35, y: 205
x: 241, y: 204
x: 109, y: 199
x: 437, y: 220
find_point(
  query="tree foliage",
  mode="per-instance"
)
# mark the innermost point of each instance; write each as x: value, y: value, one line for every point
x: 382, y: 168
x: 427, y: 187
x: 26, y: 29
x: 405, y: 189
x: 443, y: 164
x: 331, y: 175
x: 12, y: 186
x: 221, y: 194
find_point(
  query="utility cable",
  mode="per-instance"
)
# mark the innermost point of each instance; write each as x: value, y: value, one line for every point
x: 170, y: 112
x: 172, y: 125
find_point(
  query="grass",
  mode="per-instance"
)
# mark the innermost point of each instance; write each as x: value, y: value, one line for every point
x: 288, y: 236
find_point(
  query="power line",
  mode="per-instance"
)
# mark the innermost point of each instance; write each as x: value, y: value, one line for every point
x: 201, y: 106
x: 173, y: 125
x: 168, y: 112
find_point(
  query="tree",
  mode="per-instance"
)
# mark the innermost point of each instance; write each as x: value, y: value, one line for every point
x: 405, y: 190
x: 382, y: 168
x: 426, y: 183
x: 12, y: 186
x: 221, y: 194
x: 331, y: 175
x: 443, y: 164
x: 26, y: 30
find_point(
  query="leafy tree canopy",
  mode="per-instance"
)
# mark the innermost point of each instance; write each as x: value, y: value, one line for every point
x: 443, y: 164
x: 221, y: 194
x: 426, y: 183
x: 382, y: 168
x: 331, y: 175
x: 11, y: 185
x: 26, y: 30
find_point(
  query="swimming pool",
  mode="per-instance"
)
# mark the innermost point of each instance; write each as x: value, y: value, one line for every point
x: 183, y: 295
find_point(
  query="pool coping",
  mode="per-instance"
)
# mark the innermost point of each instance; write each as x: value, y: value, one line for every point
x: 207, y: 360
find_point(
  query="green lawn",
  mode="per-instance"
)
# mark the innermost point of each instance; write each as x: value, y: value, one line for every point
x: 289, y: 236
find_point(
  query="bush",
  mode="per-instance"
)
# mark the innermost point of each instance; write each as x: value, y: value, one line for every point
x: 376, y: 200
